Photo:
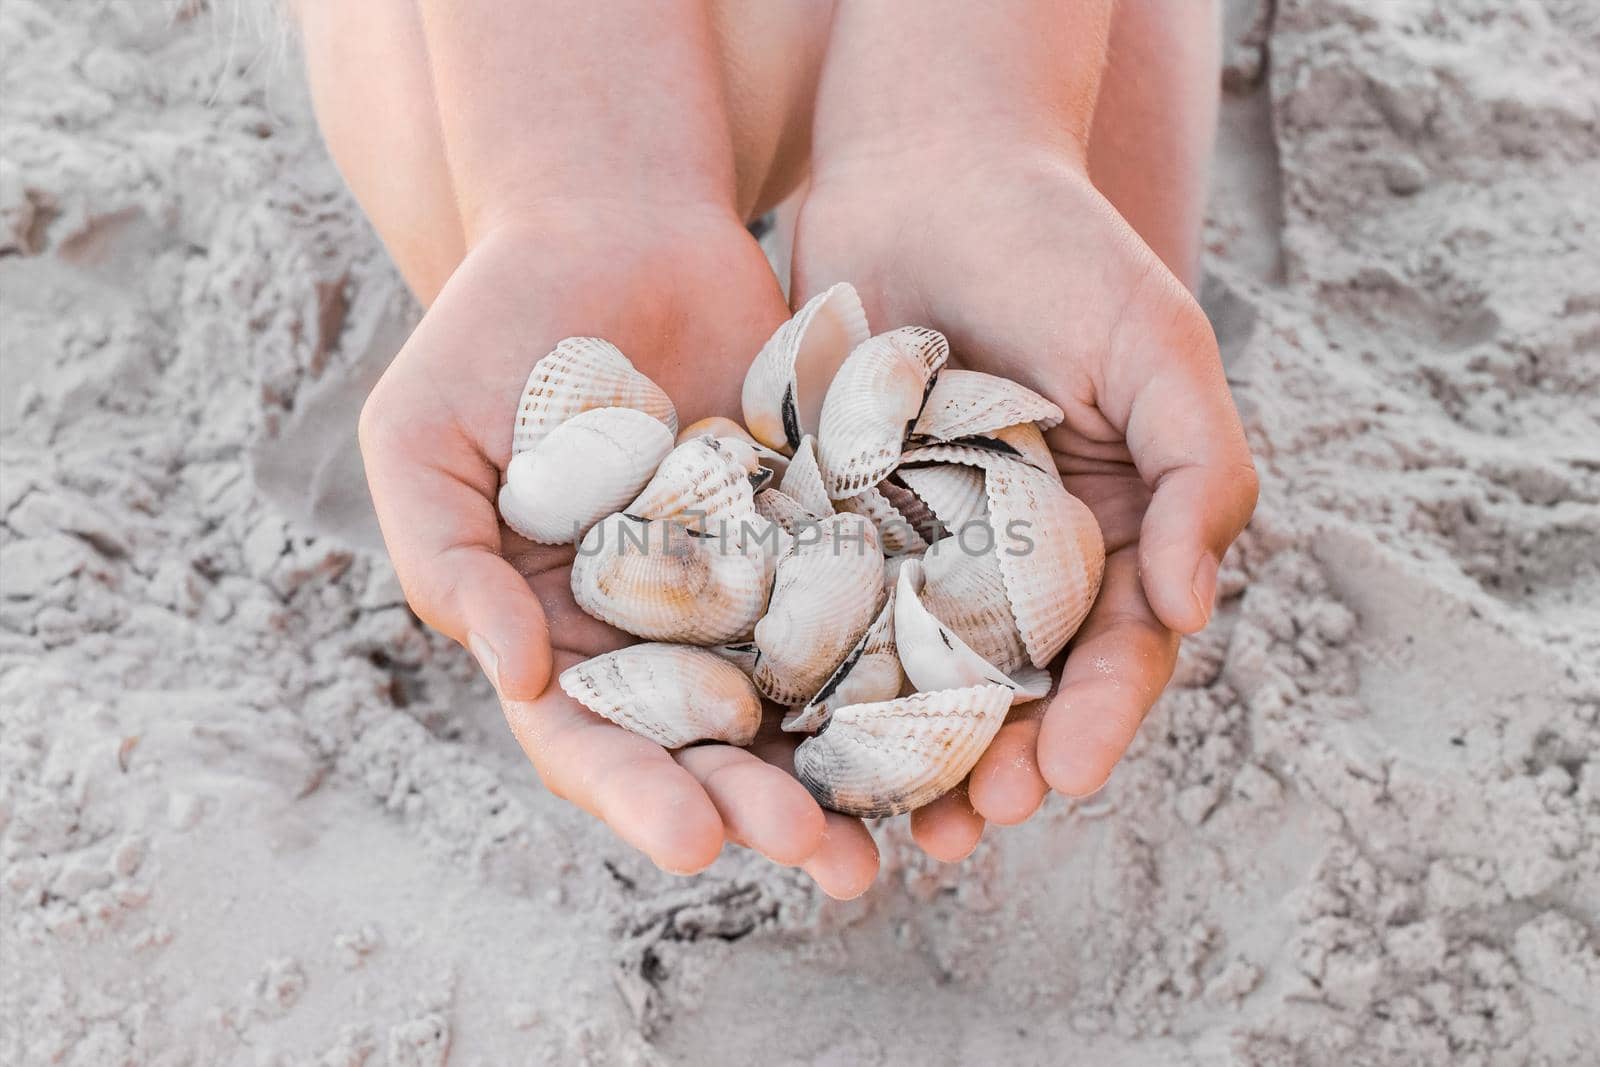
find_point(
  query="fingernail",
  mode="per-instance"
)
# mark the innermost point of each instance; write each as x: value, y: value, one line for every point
x: 486, y: 659
x: 1205, y: 586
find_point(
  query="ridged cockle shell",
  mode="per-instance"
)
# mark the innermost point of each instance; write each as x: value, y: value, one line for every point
x: 672, y: 694
x: 874, y: 397
x: 934, y: 657
x: 881, y: 759
x: 870, y: 673
x: 579, y: 374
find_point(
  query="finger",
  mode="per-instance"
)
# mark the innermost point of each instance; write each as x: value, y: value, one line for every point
x: 1005, y: 786
x: 762, y: 807
x: 947, y: 829
x: 1187, y: 442
x: 435, y: 507
x: 1119, y: 663
x: 845, y: 862
x: 630, y: 783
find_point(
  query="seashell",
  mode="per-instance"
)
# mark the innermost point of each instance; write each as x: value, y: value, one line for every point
x: 951, y: 491
x: 969, y: 403
x: 579, y: 374
x: 784, y: 388
x: 583, y: 470
x: 742, y: 654
x: 779, y: 507
x: 703, y: 482
x: 664, y: 582
x: 803, y: 480
x: 1028, y: 443
x: 964, y: 589
x: 1051, y: 554
x: 828, y: 589
x: 931, y: 654
x: 870, y: 673
x: 892, y: 756
x: 895, y: 530
x: 672, y: 694
x: 719, y: 426
x: 980, y: 452
x: 874, y: 397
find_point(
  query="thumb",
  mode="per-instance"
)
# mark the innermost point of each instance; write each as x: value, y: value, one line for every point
x: 438, y: 519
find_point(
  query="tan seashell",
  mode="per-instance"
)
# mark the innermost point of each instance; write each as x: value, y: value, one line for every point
x: 742, y: 654
x: 874, y: 397
x: 803, y: 480
x: 828, y: 589
x: 951, y: 491
x: 1051, y: 554
x: 719, y: 426
x: 579, y: 374
x: 580, y: 472
x: 784, y: 388
x: 882, y: 759
x: 934, y: 657
x: 895, y: 530
x: 870, y: 673
x: 1028, y: 442
x: 672, y: 694
x: 777, y: 506
x: 968, y: 403
x: 964, y: 589
x: 703, y: 482
x: 664, y: 582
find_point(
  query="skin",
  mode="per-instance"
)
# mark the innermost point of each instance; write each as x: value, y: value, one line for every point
x: 618, y: 213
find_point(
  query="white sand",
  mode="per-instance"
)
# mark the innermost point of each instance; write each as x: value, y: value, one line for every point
x: 250, y: 812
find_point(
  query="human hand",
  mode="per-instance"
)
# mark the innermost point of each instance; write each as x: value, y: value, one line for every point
x: 1032, y: 275
x: 688, y: 296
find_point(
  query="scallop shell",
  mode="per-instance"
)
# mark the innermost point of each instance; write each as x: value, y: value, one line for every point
x: 719, y: 426
x: 897, y: 755
x: 969, y: 403
x: 672, y: 694
x: 895, y: 531
x: 579, y: 374
x: 828, y: 589
x: 934, y: 657
x: 965, y: 590
x: 1051, y: 554
x: 953, y: 492
x: 874, y: 397
x: 703, y: 482
x: 664, y: 582
x: 582, y: 471
x: 870, y: 672
x: 803, y: 480
x: 784, y: 387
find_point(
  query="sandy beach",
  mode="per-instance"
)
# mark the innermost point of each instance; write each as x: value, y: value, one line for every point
x: 253, y: 812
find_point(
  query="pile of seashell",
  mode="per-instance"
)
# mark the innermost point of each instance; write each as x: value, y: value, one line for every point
x: 888, y: 552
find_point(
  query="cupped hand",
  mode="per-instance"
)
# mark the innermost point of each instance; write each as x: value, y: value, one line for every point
x: 1034, y: 276
x: 688, y: 296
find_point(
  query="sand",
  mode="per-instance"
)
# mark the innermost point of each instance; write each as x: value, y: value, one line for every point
x: 251, y: 812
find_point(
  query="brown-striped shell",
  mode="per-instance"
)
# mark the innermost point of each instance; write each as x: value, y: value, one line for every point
x: 580, y: 374
x: 874, y: 397
x: 672, y: 694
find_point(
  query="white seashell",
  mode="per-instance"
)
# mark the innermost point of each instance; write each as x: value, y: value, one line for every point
x: 897, y: 755
x: 703, y: 482
x: 1027, y: 441
x: 953, y: 492
x: 895, y: 529
x: 672, y: 694
x: 828, y: 589
x: 873, y: 399
x: 1051, y: 554
x: 931, y: 654
x: 870, y: 673
x: 967, y: 403
x: 664, y: 582
x: 779, y: 507
x: 718, y: 426
x: 784, y: 387
x: 803, y: 480
x: 579, y: 374
x: 964, y: 589
x: 582, y: 471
